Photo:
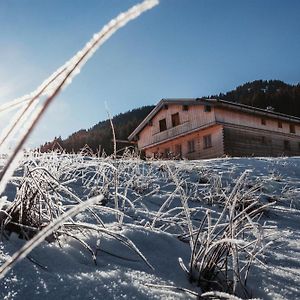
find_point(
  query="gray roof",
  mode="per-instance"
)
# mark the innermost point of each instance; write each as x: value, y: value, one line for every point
x: 214, y: 102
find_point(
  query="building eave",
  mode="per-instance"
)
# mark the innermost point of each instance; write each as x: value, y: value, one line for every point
x: 157, y: 108
x: 256, y: 111
x: 216, y: 103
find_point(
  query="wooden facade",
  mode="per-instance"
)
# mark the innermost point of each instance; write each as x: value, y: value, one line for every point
x: 207, y: 128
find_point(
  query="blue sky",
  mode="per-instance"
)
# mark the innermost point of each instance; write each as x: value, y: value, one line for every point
x: 181, y: 48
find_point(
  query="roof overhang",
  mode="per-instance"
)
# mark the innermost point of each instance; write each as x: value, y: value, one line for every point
x: 216, y: 103
x: 160, y: 105
x: 256, y: 111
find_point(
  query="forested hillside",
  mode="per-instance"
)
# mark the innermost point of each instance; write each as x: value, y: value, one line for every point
x: 100, y: 135
x: 284, y: 98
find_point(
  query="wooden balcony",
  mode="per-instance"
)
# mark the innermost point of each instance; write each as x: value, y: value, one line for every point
x: 173, y: 132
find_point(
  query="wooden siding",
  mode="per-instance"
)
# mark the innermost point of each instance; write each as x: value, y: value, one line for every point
x: 190, y: 120
x: 227, y: 116
x: 200, y: 152
x: 241, y: 141
x: 233, y: 132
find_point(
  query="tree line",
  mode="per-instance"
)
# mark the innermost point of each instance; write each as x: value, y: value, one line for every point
x: 282, y: 97
x: 99, y: 137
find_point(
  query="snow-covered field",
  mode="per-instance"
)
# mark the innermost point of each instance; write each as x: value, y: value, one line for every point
x: 156, y: 206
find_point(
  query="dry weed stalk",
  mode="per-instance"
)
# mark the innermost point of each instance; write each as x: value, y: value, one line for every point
x: 36, y: 213
x: 42, y: 234
x: 225, y: 247
x: 31, y: 112
x: 42, y: 200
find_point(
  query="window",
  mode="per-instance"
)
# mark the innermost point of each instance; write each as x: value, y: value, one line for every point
x: 167, y: 153
x: 263, y: 140
x: 207, y: 108
x: 175, y: 119
x: 292, y: 128
x: 279, y: 124
x: 207, y: 141
x: 178, y: 150
x: 191, y: 146
x: 263, y: 121
x: 287, y: 145
x: 162, y: 125
x: 185, y: 107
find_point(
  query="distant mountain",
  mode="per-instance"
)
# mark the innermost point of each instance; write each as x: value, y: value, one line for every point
x: 100, y: 135
x: 284, y: 98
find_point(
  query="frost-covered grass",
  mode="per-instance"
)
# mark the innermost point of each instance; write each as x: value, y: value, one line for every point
x: 31, y: 107
x: 88, y: 227
x: 164, y: 229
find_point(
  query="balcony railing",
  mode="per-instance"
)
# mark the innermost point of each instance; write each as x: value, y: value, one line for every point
x: 172, y: 132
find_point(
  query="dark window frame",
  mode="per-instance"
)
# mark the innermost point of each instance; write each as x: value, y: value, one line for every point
x: 207, y: 108
x: 279, y: 124
x: 178, y: 150
x: 191, y: 146
x: 162, y: 125
x: 175, y: 119
x: 263, y: 121
x: 207, y: 141
x: 185, y: 107
x: 292, y: 128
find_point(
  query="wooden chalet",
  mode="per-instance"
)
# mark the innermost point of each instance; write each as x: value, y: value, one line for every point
x: 208, y: 128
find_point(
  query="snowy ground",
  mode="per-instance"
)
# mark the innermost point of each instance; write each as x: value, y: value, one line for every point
x: 66, y: 270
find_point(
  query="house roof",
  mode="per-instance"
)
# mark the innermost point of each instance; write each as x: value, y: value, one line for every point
x: 216, y: 103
